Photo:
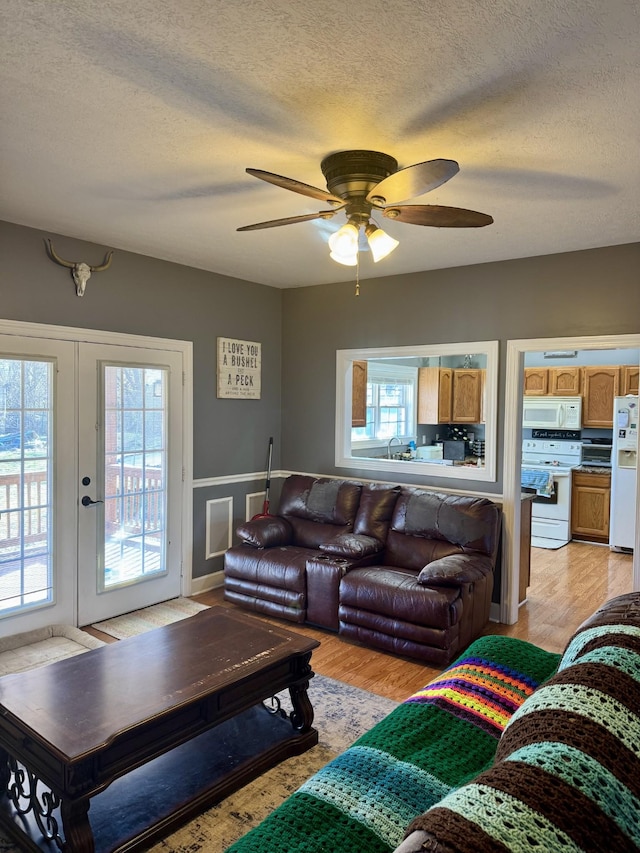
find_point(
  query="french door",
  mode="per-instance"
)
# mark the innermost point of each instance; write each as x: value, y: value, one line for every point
x: 91, y: 480
x: 38, y: 553
x: 129, y: 477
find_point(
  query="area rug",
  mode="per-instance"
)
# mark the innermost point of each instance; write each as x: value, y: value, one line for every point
x: 155, y: 616
x: 341, y: 714
x: 30, y: 649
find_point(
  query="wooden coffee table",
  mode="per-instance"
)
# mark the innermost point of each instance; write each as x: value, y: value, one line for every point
x: 113, y: 748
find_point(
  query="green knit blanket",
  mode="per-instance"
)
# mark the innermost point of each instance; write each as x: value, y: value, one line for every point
x: 567, y: 770
x: 434, y: 742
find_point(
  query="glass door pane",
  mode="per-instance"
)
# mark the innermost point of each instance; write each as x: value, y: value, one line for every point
x: 26, y: 497
x: 135, y: 482
x: 38, y: 542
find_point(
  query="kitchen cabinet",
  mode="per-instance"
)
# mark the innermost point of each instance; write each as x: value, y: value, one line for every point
x: 590, y: 501
x: 556, y: 381
x: 435, y: 388
x: 630, y: 379
x: 450, y: 396
x: 564, y: 381
x: 359, y: 394
x: 536, y: 381
x: 467, y: 395
x: 599, y: 386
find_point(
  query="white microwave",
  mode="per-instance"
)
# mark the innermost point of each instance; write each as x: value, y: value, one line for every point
x: 552, y: 412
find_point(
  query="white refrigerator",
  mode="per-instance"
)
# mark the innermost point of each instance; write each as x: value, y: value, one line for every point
x: 624, y: 472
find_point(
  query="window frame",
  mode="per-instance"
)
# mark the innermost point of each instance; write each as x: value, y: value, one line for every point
x: 402, y: 372
x: 343, y: 447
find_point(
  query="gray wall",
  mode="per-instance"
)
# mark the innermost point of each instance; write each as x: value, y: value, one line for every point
x: 144, y: 296
x: 581, y: 293
x: 593, y: 292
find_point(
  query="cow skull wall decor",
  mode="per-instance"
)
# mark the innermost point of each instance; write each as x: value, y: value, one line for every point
x: 80, y: 272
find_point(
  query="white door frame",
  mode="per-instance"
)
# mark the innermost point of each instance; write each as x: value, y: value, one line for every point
x: 513, y: 455
x: 70, y: 333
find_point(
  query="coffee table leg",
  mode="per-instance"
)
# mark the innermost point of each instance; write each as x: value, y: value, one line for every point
x: 5, y: 771
x: 302, y: 713
x: 77, y: 829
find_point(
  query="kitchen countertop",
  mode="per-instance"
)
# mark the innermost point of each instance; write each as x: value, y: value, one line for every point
x: 592, y: 469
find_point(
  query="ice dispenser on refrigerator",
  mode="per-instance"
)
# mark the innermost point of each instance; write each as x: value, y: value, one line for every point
x: 624, y: 473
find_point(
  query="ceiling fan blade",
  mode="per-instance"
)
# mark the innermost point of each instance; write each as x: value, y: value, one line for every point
x: 412, y: 181
x: 438, y: 216
x: 289, y: 220
x: 295, y: 186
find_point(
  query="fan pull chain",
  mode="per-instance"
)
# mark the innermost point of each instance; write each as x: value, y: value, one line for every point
x: 358, y: 274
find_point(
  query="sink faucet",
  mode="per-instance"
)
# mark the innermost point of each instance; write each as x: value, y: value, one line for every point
x: 393, y: 438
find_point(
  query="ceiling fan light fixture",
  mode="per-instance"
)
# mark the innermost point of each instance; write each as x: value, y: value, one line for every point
x: 345, y: 240
x: 380, y: 243
x: 347, y: 260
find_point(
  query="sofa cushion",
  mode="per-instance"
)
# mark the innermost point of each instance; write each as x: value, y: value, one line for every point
x: 470, y: 523
x: 567, y: 769
x: 385, y: 591
x: 415, y: 552
x: 320, y: 500
x: 282, y: 568
x: 377, y: 503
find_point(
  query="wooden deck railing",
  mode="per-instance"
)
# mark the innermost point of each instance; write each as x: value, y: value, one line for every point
x: 135, y: 490
x: 30, y: 526
x: 124, y: 513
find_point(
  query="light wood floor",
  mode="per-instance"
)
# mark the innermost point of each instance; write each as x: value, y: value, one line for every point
x: 566, y: 587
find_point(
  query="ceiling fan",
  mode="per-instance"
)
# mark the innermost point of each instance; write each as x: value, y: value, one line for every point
x: 363, y: 182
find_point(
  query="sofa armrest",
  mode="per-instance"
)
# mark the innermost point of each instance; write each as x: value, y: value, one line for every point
x: 267, y: 532
x: 456, y: 569
x: 352, y: 546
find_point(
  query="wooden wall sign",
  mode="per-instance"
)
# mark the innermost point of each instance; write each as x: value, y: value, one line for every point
x: 239, y: 369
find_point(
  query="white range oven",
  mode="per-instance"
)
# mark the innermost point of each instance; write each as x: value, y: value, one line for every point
x: 546, y: 471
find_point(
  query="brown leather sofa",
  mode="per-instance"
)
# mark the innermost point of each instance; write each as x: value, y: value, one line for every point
x: 397, y: 568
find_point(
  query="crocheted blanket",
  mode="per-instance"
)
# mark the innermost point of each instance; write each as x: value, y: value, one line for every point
x: 567, y: 769
x: 435, y: 741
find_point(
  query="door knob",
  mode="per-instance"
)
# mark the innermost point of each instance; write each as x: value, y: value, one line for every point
x: 86, y: 501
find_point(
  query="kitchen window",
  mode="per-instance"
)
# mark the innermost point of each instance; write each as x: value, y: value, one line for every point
x: 391, y: 404
x: 378, y: 418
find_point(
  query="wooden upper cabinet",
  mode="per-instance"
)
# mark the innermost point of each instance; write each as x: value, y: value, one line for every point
x: 467, y: 396
x: 599, y: 386
x: 434, y: 395
x: 445, y: 395
x: 565, y: 381
x: 630, y: 379
x: 536, y: 381
x: 359, y: 394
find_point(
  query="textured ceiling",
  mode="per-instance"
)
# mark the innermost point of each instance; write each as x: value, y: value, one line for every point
x: 129, y: 123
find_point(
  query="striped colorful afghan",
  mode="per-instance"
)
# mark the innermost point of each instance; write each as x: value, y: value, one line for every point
x: 485, y: 692
x: 567, y: 770
x: 438, y: 739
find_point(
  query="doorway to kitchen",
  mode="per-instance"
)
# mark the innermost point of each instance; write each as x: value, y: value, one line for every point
x: 516, y: 351
x: 93, y: 453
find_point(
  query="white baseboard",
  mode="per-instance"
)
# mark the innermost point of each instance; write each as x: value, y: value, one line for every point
x: 206, y: 582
